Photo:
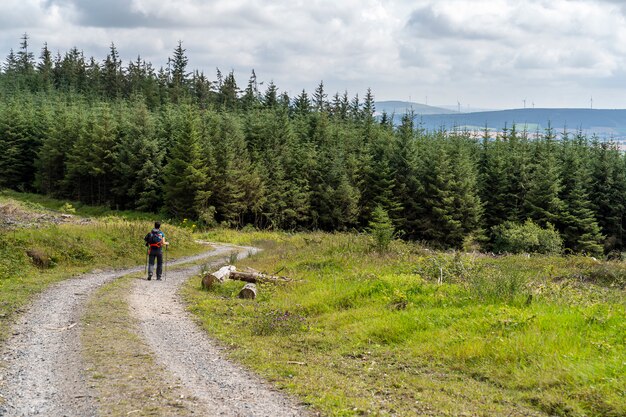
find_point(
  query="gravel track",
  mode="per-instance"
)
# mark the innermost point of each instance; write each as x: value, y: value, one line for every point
x: 42, y: 372
x: 188, y: 353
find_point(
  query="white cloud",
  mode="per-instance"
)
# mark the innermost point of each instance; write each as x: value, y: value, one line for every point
x: 489, y: 52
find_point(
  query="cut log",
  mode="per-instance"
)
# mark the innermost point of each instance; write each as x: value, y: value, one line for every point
x: 248, y: 291
x: 218, y: 276
x: 256, y: 277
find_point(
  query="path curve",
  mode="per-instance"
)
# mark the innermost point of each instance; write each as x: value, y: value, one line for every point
x: 187, y: 352
x: 42, y: 372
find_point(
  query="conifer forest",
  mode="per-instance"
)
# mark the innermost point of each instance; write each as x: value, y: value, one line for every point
x: 174, y: 142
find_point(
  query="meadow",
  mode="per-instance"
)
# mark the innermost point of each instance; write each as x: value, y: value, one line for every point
x: 418, y: 332
x: 403, y: 331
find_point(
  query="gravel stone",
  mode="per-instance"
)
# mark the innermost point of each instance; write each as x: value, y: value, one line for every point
x: 189, y: 353
x: 42, y: 372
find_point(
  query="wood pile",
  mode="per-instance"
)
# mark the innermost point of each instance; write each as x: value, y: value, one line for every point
x: 250, y: 277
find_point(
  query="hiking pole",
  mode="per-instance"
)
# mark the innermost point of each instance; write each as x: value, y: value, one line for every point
x: 147, y: 257
x: 165, y: 272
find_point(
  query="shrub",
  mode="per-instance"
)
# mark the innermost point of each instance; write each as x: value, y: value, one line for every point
x: 381, y: 229
x: 528, y: 237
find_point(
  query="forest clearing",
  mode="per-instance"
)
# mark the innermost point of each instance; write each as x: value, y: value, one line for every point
x: 358, y: 331
x: 398, y: 270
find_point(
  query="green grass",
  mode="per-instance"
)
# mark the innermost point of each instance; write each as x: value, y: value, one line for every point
x: 41, y: 202
x: 421, y: 332
x: 33, y: 258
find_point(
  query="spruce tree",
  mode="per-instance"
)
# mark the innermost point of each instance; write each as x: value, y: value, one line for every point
x: 112, y: 77
x: 138, y: 167
x: 67, y: 122
x: 45, y: 68
x: 90, y: 161
x: 404, y: 162
x: 26, y: 65
x: 186, y: 178
x: 228, y: 93
x: 302, y: 104
x: 319, y: 98
x: 270, y: 98
x: 237, y: 192
x: 450, y: 203
x: 495, y: 180
x: 23, y: 125
x: 251, y: 94
x: 543, y: 204
x: 579, y: 229
x: 179, y: 75
x: 608, y: 188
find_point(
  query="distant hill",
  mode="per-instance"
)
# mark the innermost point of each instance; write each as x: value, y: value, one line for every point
x: 464, y: 109
x: 400, y: 108
x: 604, y: 123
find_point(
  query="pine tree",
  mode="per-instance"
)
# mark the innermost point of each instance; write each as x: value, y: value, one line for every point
x: 270, y: 98
x: 94, y: 88
x: 20, y: 141
x: 135, y: 75
x: 45, y: 68
x: 518, y: 155
x: 404, y: 162
x: 354, y: 109
x: 334, y: 197
x: 368, y: 106
x: 67, y: 122
x: 289, y: 184
x: 228, y: 93
x: 179, y: 80
x: 608, y: 188
x: 90, y: 162
x: 10, y: 69
x: 580, y: 231
x: 319, y: 98
x: 450, y: 203
x: 186, y: 178
x: 495, y: 179
x: 302, y: 104
x: 138, y: 166
x: 112, y: 76
x: 26, y: 65
x: 543, y: 204
x: 251, y: 94
x: 237, y: 192
x: 377, y: 174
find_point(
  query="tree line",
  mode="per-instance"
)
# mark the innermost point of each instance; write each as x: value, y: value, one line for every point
x: 188, y: 147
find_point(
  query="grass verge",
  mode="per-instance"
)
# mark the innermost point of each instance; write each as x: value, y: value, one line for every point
x: 32, y: 258
x: 41, y: 202
x: 416, y: 332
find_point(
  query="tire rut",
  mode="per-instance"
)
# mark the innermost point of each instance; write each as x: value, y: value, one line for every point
x: 188, y: 353
x: 42, y: 371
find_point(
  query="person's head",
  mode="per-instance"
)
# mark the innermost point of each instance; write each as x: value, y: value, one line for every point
x: 157, y: 225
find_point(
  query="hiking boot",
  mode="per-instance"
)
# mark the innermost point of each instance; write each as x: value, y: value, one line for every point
x: 149, y: 277
x: 158, y: 278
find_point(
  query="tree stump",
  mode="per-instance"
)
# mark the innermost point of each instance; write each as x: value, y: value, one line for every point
x: 248, y: 291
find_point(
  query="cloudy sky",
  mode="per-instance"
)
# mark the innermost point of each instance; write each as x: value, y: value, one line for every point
x: 481, y: 53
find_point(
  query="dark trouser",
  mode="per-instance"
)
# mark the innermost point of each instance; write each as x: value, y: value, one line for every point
x: 159, y: 268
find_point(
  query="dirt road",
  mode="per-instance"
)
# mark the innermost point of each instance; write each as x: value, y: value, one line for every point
x: 43, y: 373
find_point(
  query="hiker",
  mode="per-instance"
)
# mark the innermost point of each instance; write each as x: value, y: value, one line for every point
x: 155, y: 240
